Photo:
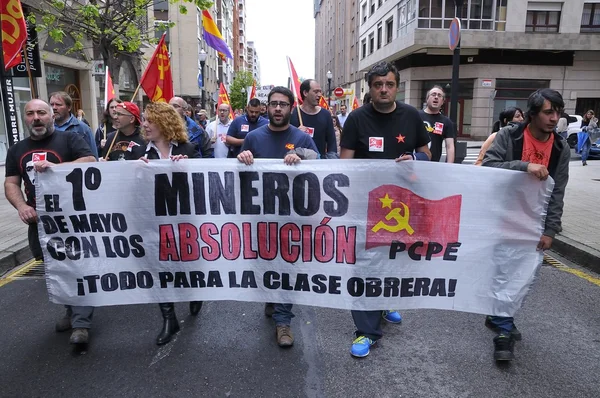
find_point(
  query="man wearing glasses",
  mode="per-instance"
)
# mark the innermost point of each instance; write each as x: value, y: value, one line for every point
x: 279, y: 140
x: 126, y: 143
x: 382, y: 129
x: 242, y: 125
x: 440, y: 128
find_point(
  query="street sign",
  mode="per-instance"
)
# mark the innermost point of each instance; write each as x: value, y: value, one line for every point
x: 454, y: 34
x: 338, y: 92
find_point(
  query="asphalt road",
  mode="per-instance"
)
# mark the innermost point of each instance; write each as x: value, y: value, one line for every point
x: 229, y: 350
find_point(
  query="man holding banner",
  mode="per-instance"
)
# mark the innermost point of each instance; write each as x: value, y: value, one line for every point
x: 383, y: 129
x: 534, y: 147
x: 43, y: 149
x: 279, y: 139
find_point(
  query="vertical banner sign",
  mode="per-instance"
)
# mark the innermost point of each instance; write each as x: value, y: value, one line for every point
x: 10, y: 110
x: 352, y: 234
x: 32, y: 52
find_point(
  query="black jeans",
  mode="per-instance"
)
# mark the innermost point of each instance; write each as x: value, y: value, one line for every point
x: 34, y: 242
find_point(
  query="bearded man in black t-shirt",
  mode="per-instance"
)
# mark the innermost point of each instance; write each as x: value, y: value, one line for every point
x: 41, y: 150
x: 127, y: 143
x: 382, y: 129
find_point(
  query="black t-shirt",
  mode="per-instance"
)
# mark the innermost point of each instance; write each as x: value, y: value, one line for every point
x: 59, y: 147
x: 126, y: 147
x: 320, y: 129
x: 375, y: 135
x: 268, y: 144
x: 439, y: 128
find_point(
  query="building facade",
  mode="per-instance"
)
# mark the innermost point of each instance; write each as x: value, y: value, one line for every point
x: 240, y: 55
x: 509, y: 48
x: 253, y: 61
x: 336, y: 47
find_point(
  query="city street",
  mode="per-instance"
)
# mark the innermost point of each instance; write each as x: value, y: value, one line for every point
x: 229, y: 350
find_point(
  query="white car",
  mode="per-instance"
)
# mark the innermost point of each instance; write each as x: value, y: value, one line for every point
x: 572, y: 130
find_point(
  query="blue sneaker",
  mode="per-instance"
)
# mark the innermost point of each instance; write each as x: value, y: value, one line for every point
x: 361, y: 346
x: 392, y: 316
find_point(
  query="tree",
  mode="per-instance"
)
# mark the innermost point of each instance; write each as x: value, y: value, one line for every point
x: 115, y: 28
x: 238, y: 90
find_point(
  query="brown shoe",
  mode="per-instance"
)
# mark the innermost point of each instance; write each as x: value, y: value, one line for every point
x: 79, y: 336
x: 284, y: 336
x: 63, y: 324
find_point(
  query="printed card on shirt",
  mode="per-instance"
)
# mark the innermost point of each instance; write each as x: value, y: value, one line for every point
x: 245, y: 128
x: 439, y: 128
x: 38, y: 157
x: 376, y: 144
x: 310, y: 131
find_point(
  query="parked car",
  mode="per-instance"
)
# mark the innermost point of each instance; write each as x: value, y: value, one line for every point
x: 572, y: 130
x: 595, y: 149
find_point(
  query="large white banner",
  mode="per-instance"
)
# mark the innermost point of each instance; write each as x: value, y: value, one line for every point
x: 347, y: 234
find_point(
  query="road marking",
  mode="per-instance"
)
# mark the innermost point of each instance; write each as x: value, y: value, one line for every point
x: 17, y: 272
x: 560, y: 266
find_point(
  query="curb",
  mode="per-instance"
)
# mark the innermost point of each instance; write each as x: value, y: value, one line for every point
x: 577, y: 252
x: 14, y: 256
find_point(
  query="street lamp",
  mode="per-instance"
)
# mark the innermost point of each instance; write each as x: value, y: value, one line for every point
x: 202, y: 58
x: 329, y: 76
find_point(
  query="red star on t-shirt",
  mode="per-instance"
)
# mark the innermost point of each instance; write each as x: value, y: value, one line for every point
x: 400, y: 138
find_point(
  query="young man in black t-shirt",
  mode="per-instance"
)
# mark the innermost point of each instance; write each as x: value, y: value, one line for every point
x: 43, y: 149
x: 278, y: 140
x: 440, y: 128
x: 382, y: 129
x: 127, y: 143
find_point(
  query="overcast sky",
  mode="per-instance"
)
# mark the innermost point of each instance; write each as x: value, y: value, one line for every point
x: 279, y: 28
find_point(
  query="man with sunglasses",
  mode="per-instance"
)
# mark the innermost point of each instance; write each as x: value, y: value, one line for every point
x: 126, y: 143
x: 279, y: 140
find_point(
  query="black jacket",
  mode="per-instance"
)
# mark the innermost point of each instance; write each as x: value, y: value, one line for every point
x: 182, y: 148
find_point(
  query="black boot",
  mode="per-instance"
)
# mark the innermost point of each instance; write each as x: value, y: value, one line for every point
x: 170, y: 324
x: 195, y: 307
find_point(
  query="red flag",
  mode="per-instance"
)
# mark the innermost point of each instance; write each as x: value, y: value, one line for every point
x: 397, y: 214
x: 355, y: 104
x: 295, y: 81
x: 323, y: 103
x: 109, y: 89
x: 157, y: 80
x: 224, y: 99
x: 253, y: 91
x: 14, y: 32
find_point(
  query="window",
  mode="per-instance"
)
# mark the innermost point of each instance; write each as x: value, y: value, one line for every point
x: 590, y: 19
x: 389, y: 30
x: 476, y: 14
x: 372, y: 7
x: 364, y: 12
x: 371, y: 43
x: 542, y: 21
x: 379, y: 3
x: 379, y: 35
x: 363, y: 47
x: 543, y: 17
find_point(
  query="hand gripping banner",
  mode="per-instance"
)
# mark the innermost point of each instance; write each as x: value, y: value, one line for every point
x: 351, y: 234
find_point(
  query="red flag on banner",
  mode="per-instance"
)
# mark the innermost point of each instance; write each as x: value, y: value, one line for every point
x: 295, y: 81
x: 109, y: 89
x: 224, y: 99
x: 355, y: 104
x: 157, y: 80
x: 323, y: 103
x: 397, y: 214
x: 14, y: 32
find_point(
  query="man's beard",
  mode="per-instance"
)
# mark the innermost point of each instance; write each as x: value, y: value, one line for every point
x: 48, y: 129
x: 252, y: 119
x: 284, y: 121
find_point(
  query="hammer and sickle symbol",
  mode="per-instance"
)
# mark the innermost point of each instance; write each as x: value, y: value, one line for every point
x: 401, y: 221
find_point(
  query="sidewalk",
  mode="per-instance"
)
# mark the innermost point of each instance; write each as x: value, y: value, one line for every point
x: 14, y: 248
x: 579, y: 241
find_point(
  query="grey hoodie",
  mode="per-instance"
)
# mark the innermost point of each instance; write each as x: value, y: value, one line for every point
x: 506, y: 153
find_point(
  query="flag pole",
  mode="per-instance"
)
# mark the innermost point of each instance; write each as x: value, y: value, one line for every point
x: 136, y: 91
x: 33, y: 94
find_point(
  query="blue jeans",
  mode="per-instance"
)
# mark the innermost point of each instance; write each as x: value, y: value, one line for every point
x: 282, y: 314
x: 504, y: 323
x: 585, y: 150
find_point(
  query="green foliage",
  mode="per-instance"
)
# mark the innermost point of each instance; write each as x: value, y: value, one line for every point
x: 238, y: 90
x: 113, y: 27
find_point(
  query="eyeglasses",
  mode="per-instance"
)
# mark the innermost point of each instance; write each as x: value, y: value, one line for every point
x: 275, y: 104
